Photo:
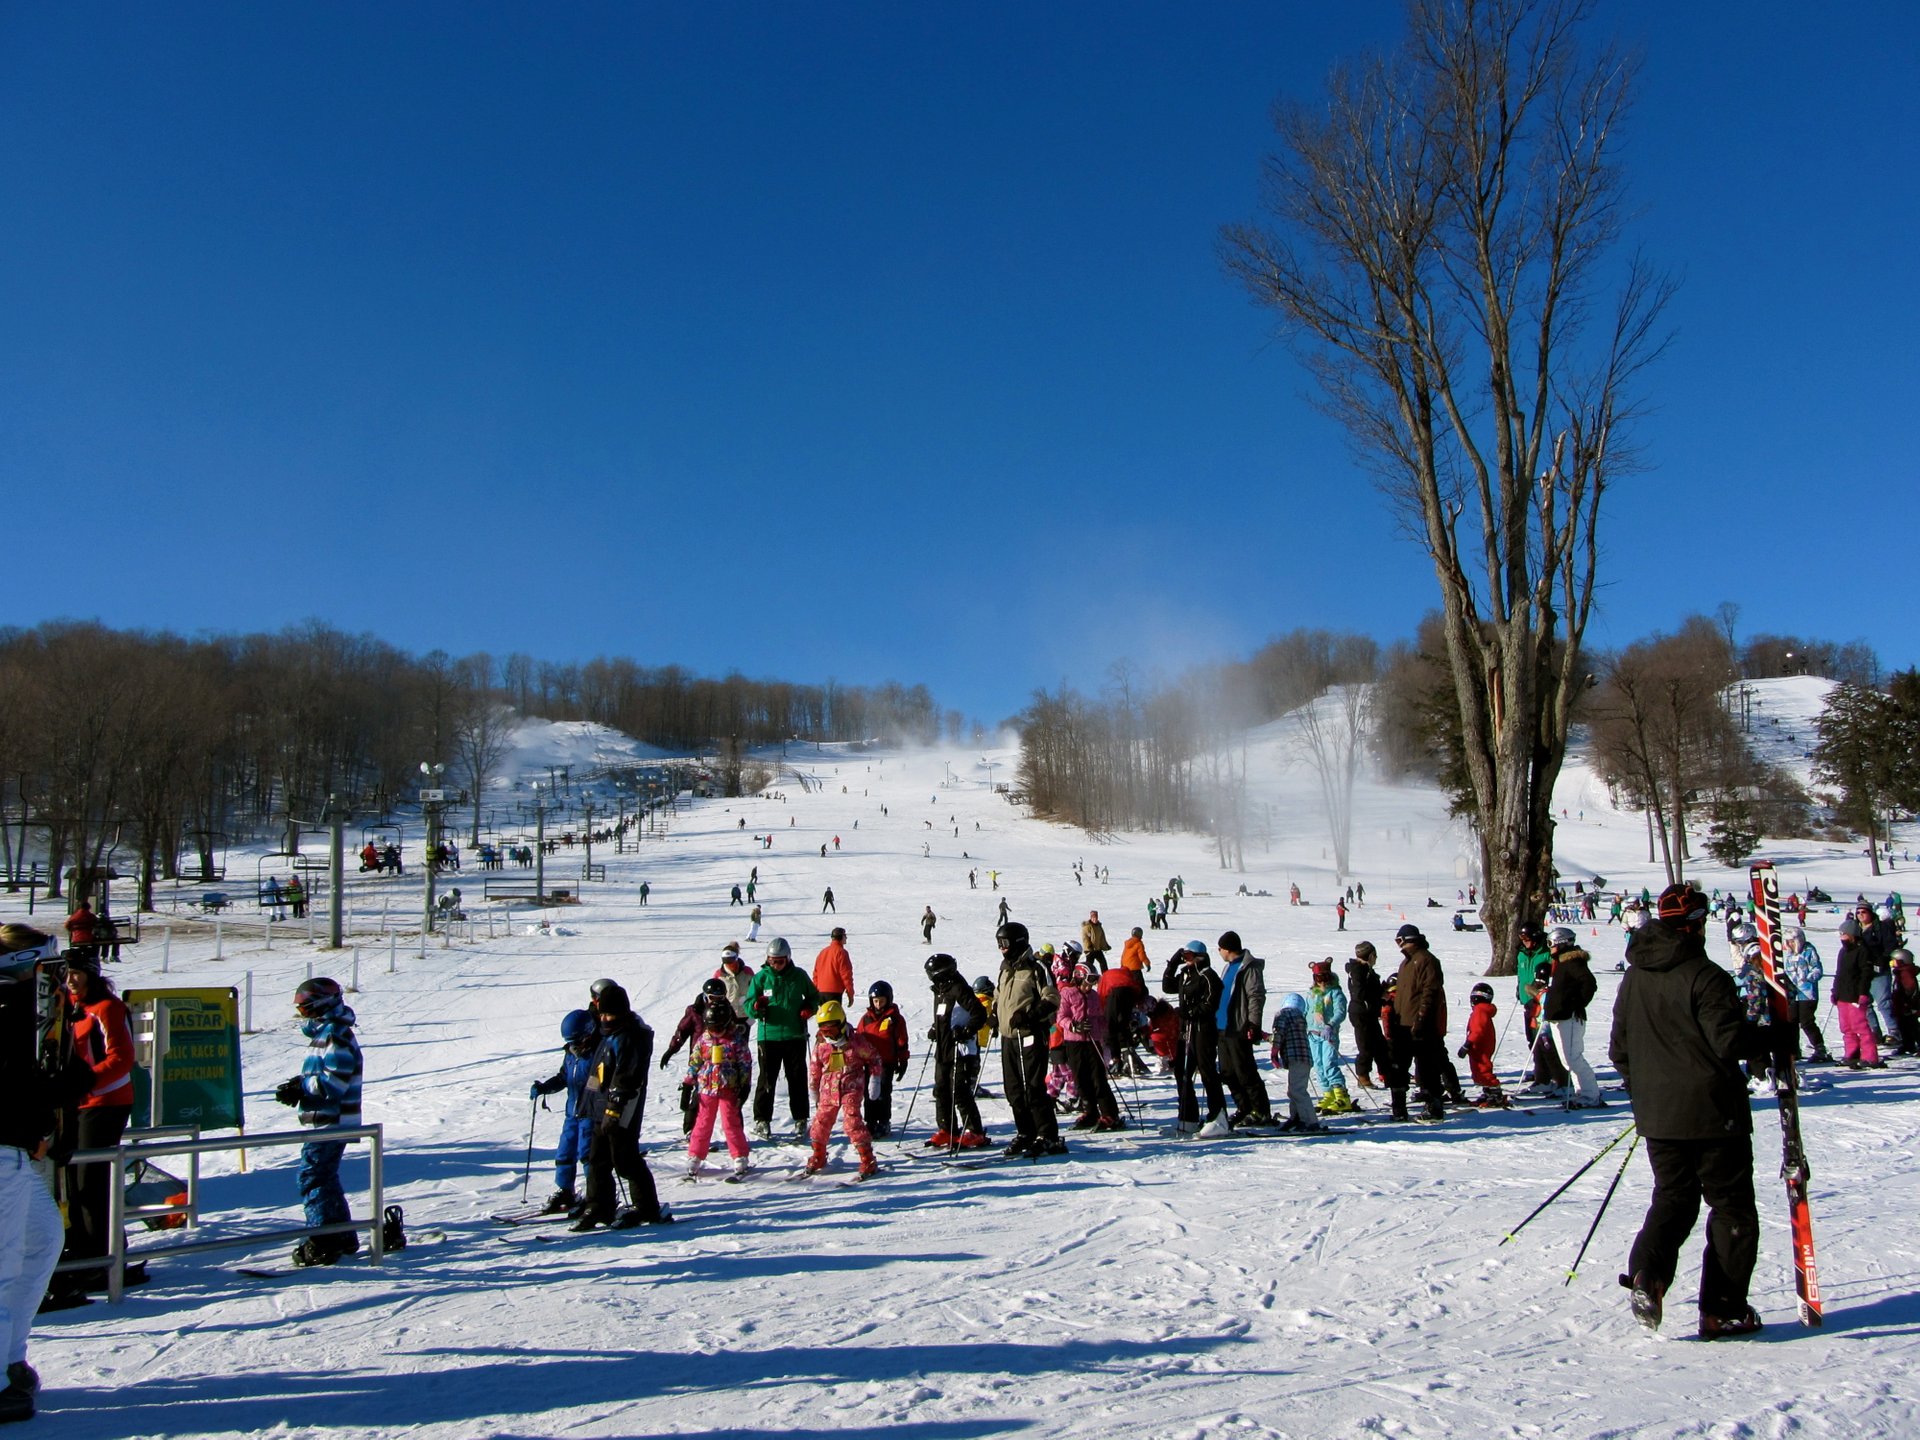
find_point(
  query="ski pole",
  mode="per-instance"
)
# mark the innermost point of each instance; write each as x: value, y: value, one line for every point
x: 1569, y: 1182
x: 1605, y: 1201
x: 918, y: 1081
x: 526, y: 1175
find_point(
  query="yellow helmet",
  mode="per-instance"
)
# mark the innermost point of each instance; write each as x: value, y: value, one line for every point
x: 829, y: 1011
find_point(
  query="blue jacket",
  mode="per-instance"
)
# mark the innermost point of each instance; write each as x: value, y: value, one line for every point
x: 330, y: 1075
x: 1326, y: 1009
x: 574, y: 1071
x: 1804, y: 972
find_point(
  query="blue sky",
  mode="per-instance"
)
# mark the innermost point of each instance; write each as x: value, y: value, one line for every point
x: 863, y: 341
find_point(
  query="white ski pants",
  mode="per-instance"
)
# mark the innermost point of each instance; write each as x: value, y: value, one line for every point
x: 30, y: 1236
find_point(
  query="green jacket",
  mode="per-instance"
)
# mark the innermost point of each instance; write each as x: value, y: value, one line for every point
x: 782, y: 1003
x: 1529, y: 962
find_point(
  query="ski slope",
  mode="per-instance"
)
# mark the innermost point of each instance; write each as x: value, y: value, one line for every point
x: 1351, y: 1285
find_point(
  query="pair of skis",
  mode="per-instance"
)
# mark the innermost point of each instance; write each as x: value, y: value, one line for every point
x: 1786, y: 1093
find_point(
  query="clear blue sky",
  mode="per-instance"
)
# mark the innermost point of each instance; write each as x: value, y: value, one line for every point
x: 863, y: 341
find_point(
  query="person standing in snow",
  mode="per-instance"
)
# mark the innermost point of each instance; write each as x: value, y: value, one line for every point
x: 753, y: 925
x: 1365, y: 994
x: 1564, y: 1011
x: 720, y: 1072
x: 618, y: 1086
x: 1326, y: 1010
x: 1190, y: 976
x: 1678, y: 1033
x: 1243, y: 1002
x: 886, y: 1030
x: 833, y: 968
x: 1026, y: 1001
x: 958, y: 1016
x: 1093, y: 939
x: 327, y: 1094
x: 579, y: 1038
x: 839, y: 1068
x: 1420, y: 1005
x: 30, y: 1230
x: 1803, y: 976
x: 1080, y: 1020
x: 927, y: 921
x: 826, y: 901
x: 1852, y: 999
x: 102, y: 1076
x: 782, y: 999
x: 1478, y: 1051
x: 1292, y: 1053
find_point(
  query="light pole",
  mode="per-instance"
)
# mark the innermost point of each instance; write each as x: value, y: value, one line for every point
x: 539, y: 846
x: 586, y: 872
x: 430, y: 797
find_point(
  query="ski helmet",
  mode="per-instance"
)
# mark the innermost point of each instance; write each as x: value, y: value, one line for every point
x: 1885, y: 912
x: 1482, y: 994
x: 829, y: 1013
x: 1012, y: 936
x: 712, y: 986
x: 1560, y: 938
x: 1072, y: 947
x: 1082, y: 973
x: 1751, y: 950
x: 941, y: 966
x: 983, y: 985
x: 577, y: 1025
x: 1294, y: 1000
x: 1741, y: 933
x: 612, y: 1001
x: 1902, y: 956
x: 778, y: 949
x: 1046, y: 949
x: 718, y: 1011
x: 316, y: 996
x: 1195, y: 947
x: 601, y: 986
x: 880, y: 990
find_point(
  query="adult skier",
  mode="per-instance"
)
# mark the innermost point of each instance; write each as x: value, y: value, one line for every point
x: 617, y: 1086
x: 782, y: 999
x: 833, y: 968
x: 1677, y: 1038
x: 1093, y: 939
x: 1420, y: 1005
x: 1564, y: 1012
x: 927, y: 921
x: 1365, y: 993
x: 1190, y: 976
x: 1241, y: 1018
x: 1027, y: 1001
x: 327, y: 1094
x: 579, y: 1038
x: 958, y: 1016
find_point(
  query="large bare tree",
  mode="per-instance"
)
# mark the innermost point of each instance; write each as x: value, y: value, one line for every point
x: 1440, y: 237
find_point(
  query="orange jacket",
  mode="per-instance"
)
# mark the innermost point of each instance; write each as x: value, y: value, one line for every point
x: 833, y: 971
x: 103, y: 1038
x: 1133, y: 955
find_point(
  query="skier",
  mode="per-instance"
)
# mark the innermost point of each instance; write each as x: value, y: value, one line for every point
x: 826, y: 901
x: 1121, y: 990
x: 580, y: 1039
x: 1564, y: 1012
x: 1093, y: 938
x: 618, y: 1087
x: 1420, y: 1005
x: 327, y: 1093
x: 692, y: 1021
x: 734, y: 898
x: 1026, y: 1000
x: 838, y: 1070
x: 1133, y: 955
x: 1154, y: 920
x: 1189, y: 975
x: 833, y: 968
x: 1292, y: 1052
x: 782, y: 999
x: 1081, y: 1020
x: 1803, y: 973
x: 1370, y: 1050
x: 734, y: 974
x: 645, y: 890
x: 1340, y: 914
x: 721, y: 1069
x: 886, y: 1030
x: 753, y: 925
x: 927, y: 921
x: 1326, y: 1009
x: 1003, y: 909
x: 1478, y: 1051
x: 1677, y: 1027
x: 1243, y: 1003
x: 958, y: 1016
x: 1530, y: 956
x: 1906, y: 1000
x: 1852, y: 999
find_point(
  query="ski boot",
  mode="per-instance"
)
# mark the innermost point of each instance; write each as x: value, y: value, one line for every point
x: 1647, y: 1295
x: 314, y: 1250
x: 869, y: 1167
x: 1109, y: 1122
x: 817, y: 1161
x: 1336, y: 1102
x: 940, y: 1140
x: 1400, y: 1105
x: 740, y: 1167
x: 973, y: 1140
x: 560, y: 1202
x: 1717, y: 1327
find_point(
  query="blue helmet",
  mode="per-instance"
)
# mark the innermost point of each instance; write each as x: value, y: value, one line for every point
x: 1195, y: 947
x: 577, y: 1025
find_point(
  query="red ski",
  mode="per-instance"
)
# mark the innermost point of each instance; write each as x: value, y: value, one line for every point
x: 1786, y: 1094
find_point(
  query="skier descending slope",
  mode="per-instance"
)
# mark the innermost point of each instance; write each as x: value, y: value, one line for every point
x: 1677, y: 1027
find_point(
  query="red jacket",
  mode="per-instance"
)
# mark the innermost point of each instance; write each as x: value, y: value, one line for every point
x: 80, y: 927
x: 887, y: 1029
x: 1481, y: 1039
x: 103, y: 1039
x: 833, y: 971
x: 1120, y: 978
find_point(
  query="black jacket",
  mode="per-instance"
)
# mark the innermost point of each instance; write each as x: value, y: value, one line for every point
x: 1199, y: 988
x: 619, y: 1073
x: 1365, y: 992
x: 1852, y: 972
x: 1677, y: 1040
x: 1571, y: 989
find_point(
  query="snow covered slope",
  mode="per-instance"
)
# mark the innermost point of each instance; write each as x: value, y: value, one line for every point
x: 1353, y: 1285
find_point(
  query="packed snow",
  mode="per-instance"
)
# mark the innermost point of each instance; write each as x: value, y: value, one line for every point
x: 1140, y: 1286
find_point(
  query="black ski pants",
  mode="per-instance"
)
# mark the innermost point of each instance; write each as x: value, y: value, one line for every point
x: 777, y: 1056
x: 1198, y: 1050
x: 616, y: 1151
x: 879, y: 1108
x: 90, y: 1187
x: 1090, y: 1078
x: 1023, y: 1066
x: 1807, y: 1013
x: 1684, y: 1172
x: 1242, y: 1074
x: 1370, y: 1047
x: 1420, y: 1057
x: 954, y: 1077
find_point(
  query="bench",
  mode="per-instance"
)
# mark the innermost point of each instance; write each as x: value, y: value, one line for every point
x: 213, y: 902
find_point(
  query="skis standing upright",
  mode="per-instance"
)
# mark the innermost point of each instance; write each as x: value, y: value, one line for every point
x: 1786, y: 1094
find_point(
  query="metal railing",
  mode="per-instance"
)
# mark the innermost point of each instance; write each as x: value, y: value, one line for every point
x: 121, y: 1157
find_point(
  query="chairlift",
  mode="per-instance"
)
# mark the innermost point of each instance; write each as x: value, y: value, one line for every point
x: 260, y: 876
x: 203, y: 859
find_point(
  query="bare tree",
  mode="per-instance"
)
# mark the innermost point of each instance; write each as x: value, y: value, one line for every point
x: 482, y: 737
x: 1439, y: 238
x: 1332, y: 733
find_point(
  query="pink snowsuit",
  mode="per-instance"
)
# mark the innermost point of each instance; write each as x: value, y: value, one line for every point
x: 721, y: 1069
x: 838, y: 1076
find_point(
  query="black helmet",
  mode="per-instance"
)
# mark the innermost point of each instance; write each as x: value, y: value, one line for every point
x: 940, y: 966
x: 984, y: 985
x: 714, y: 985
x: 717, y: 1009
x: 880, y: 990
x: 612, y: 1001
x: 1012, y: 936
x: 1482, y: 993
x: 316, y: 996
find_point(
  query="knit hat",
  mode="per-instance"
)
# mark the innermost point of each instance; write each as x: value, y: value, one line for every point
x: 1229, y: 940
x: 1679, y: 904
x: 1409, y: 933
x: 1850, y: 929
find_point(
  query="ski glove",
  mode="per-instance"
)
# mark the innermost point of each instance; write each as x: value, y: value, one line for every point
x: 1461, y: 1052
x: 900, y: 1071
x: 290, y: 1092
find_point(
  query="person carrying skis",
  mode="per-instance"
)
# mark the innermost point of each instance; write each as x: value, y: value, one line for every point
x: 1478, y: 1051
x: 1326, y: 1010
x: 1677, y: 1035
x: 580, y: 1038
x: 1241, y: 1013
x: 886, y: 1030
x: 782, y: 999
x: 1292, y: 1053
x: 720, y: 1071
x: 1190, y: 976
x: 838, y: 1070
x: 1804, y: 973
x: 958, y: 1016
x: 327, y: 1094
x: 617, y: 1084
x: 1564, y: 1012
x: 1026, y: 1000
x: 1370, y: 1050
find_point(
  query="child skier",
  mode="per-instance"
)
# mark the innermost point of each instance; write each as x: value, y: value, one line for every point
x: 1326, y: 1009
x: 837, y: 1073
x: 1478, y: 1051
x: 581, y: 1037
x: 721, y: 1071
x: 886, y: 1028
x: 1290, y: 1049
x: 958, y: 1015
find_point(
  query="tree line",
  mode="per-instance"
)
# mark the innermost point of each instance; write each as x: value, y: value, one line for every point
x: 145, y: 746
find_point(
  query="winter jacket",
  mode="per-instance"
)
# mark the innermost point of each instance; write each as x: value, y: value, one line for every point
x: 1025, y: 995
x: 1677, y: 1039
x: 619, y: 1074
x: 721, y: 1063
x: 692, y: 1020
x: 1326, y: 1010
x: 1121, y: 978
x: 887, y: 1031
x: 1526, y: 963
x: 833, y: 971
x: 1852, y: 973
x: 738, y: 983
x: 28, y: 1095
x: 330, y: 1075
x: 573, y: 1074
x: 1804, y: 972
x: 1093, y: 936
x: 836, y: 1071
x: 1199, y: 989
x: 103, y: 1040
x: 1755, y: 994
x: 1081, y: 1016
x: 782, y: 1003
x: 1290, y: 1038
x: 1133, y: 955
x: 80, y: 927
x: 1481, y: 1036
x: 1243, y: 1002
x: 964, y: 1014
x: 1365, y: 988
x: 1419, y: 1000
x: 1571, y: 989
